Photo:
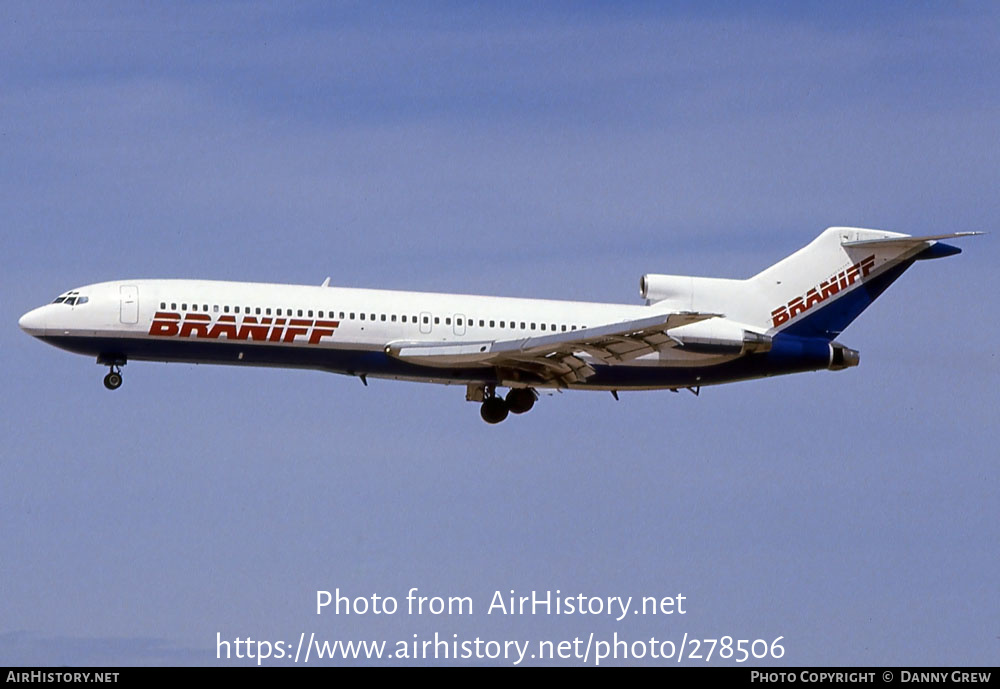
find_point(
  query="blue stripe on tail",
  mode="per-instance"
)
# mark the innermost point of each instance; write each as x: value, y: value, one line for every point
x: 831, y: 319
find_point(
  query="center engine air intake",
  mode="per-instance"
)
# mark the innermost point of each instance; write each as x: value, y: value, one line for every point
x: 654, y: 287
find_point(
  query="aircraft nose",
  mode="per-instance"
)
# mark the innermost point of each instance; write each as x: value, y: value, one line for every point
x: 33, y: 322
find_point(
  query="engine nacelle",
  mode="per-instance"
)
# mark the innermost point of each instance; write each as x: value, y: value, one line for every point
x: 654, y: 287
x: 690, y: 293
x: 719, y: 336
x: 842, y: 357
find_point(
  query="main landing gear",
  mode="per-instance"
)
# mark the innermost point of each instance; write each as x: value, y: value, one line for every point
x: 113, y: 380
x: 495, y: 408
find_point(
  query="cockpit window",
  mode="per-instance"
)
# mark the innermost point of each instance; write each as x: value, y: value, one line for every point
x: 71, y: 299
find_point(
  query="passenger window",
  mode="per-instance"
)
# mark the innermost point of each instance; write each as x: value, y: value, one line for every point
x: 373, y: 316
x: 404, y: 319
x: 437, y: 320
x: 501, y: 324
x: 393, y: 318
x: 352, y: 315
x: 382, y: 318
x: 543, y: 326
x: 163, y: 304
x: 267, y: 311
x: 257, y: 310
x: 173, y: 307
x: 564, y: 328
x: 426, y: 320
x: 522, y: 325
x: 310, y: 313
x: 300, y: 312
x: 225, y: 308
x: 362, y: 316
x: 215, y: 308
x: 447, y: 321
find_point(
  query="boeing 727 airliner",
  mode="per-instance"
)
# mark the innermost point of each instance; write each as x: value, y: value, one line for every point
x: 691, y: 331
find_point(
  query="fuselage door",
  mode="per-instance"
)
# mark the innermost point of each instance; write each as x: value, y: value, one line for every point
x: 425, y: 322
x: 460, y: 324
x: 130, y: 304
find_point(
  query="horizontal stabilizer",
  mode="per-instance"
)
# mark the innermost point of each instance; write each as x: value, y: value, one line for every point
x: 907, y: 241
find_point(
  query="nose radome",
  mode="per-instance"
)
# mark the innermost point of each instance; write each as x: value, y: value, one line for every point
x: 33, y: 322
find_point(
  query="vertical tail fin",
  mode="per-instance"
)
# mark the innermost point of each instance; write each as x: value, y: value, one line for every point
x: 815, y: 293
x: 822, y: 287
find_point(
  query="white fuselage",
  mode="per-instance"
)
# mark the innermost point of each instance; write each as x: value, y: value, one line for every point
x: 337, y: 329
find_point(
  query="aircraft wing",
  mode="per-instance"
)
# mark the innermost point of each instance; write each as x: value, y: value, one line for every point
x: 558, y: 356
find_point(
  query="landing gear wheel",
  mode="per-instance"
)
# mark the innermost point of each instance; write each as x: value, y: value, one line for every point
x: 520, y: 400
x: 113, y: 380
x: 494, y: 410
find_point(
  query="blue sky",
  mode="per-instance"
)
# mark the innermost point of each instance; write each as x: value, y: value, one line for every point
x: 559, y: 151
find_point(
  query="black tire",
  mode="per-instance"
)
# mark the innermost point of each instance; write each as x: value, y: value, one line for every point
x: 520, y: 400
x: 113, y: 381
x: 494, y: 410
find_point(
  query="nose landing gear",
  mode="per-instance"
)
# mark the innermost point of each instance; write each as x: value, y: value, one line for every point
x: 113, y: 380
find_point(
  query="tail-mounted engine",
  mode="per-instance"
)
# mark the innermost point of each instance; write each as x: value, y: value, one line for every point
x: 719, y: 336
x: 842, y: 357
